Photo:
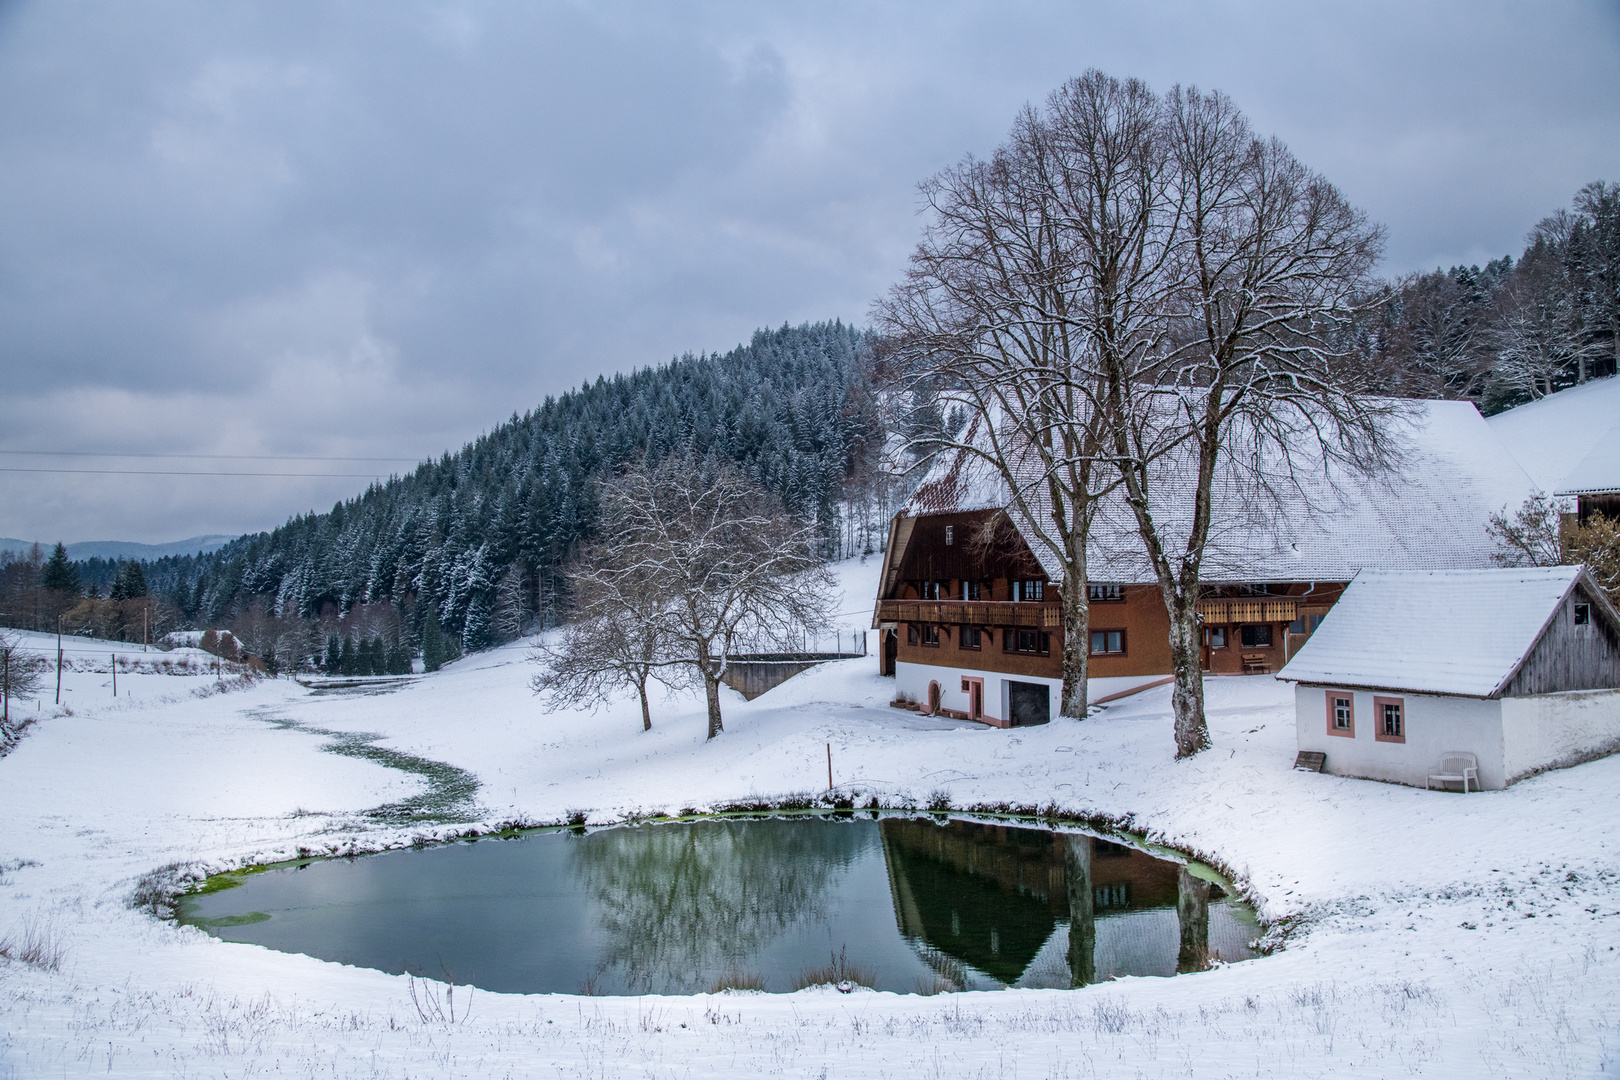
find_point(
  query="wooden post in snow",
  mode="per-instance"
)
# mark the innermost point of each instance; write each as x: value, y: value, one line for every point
x: 829, y: 767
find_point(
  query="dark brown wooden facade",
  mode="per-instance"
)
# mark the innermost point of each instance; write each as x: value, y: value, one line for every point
x: 955, y: 599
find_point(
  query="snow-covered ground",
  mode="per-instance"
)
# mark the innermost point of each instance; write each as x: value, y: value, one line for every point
x: 1425, y: 933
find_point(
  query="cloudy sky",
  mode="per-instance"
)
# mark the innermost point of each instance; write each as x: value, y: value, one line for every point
x: 343, y: 236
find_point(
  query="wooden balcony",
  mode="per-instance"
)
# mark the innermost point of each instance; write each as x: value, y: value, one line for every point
x: 1256, y: 610
x: 970, y: 613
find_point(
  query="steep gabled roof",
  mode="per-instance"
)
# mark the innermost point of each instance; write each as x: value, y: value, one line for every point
x: 1569, y: 442
x: 1429, y: 515
x: 1445, y: 632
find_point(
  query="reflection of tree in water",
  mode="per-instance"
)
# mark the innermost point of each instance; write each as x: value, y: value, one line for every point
x: 680, y: 901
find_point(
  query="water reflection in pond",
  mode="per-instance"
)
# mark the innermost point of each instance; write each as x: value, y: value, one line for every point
x: 907, y: 904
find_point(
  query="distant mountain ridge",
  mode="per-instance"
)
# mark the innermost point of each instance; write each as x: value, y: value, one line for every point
x: 124, y: 549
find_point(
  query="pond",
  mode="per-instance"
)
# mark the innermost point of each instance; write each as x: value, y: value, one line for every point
x: 903, y: 903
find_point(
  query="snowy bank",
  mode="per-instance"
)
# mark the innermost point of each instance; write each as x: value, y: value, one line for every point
x: 1425, y: 933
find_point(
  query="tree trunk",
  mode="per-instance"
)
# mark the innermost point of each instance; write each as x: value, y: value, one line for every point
x: 1192, y: 912
x: 646, y: 713
x: 711, y: 689
x: 1076, y: 643
x: 1082, y: 910
x: 1187, y: 663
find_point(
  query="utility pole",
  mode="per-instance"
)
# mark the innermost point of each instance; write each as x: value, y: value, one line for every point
x: 144, y: 611
x: 59, y: 659
x: 114, y: 666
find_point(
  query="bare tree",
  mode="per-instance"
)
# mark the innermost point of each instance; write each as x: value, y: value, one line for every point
x: 615, y: 635
x: 1540, y: 332
x: 1530, y: 537
x: 22, y: 673
x: 509, y: 616
x: 1267, y: 257
x: 709, y: 564
x: 1033, y: 264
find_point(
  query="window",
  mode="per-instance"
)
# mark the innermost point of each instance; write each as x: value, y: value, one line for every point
x: 1215, y: 637
x: 950, y: 535
x: 1341, y: 713
x: 1102, y: 594
x: 931, y: 590
x: 930, y: 635
x: 1257, y: 636
x: 1254, y: 590
x: 1583, y: 614
x: 1028, y: 590
x: 911, y: 633
x: 973, y: 590
x: 969, y: 637
x: 1107, y: 643
x: 1026, y: 641
x: 1389, y: 719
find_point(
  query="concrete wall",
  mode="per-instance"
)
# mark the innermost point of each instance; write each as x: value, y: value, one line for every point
x: 1435, y: 725
x: 1554, y: 730
x: 913, y: 679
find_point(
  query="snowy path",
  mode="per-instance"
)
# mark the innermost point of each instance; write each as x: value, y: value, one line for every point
x: 1431, y: 934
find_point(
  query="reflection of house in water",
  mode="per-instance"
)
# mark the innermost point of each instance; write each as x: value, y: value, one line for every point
x: 1017, y: 904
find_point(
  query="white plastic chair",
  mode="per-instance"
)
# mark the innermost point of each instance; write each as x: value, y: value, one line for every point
x: 1456, y: 766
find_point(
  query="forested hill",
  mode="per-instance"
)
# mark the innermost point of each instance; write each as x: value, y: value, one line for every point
x: 479, y: 534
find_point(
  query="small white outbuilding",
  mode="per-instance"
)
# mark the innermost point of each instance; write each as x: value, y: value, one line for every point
x: 1518, y: 667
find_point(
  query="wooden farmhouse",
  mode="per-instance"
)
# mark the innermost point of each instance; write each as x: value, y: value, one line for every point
x: 1418, y: 676
x: 968, y: 600
x: 1569, y: 443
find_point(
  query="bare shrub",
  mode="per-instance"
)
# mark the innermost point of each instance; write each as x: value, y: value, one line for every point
x: 435, y: 1001
x: 838, y: 970
x: 37, y: 943
x: 155, y: 892
x: 735, y: 979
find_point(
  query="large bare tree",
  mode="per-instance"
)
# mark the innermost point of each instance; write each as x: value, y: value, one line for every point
x: 1267, y: 259
x: 705, y: 565
x: 1033, y: 263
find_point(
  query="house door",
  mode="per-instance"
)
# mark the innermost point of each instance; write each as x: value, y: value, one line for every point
x: 933, y: 698
x: 891, y: 652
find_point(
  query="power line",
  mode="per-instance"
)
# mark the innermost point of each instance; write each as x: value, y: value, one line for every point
x: 181, y: 472
x: 196, y: 457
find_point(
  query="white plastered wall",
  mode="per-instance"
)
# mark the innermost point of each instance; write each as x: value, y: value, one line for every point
x: 1435, y: 725
x: 913, y: 679
x: 1549, y: 731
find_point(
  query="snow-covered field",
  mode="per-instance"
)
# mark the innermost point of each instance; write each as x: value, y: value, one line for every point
x: 1426, y: 934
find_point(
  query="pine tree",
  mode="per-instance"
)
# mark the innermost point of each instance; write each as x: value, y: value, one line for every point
x: 348, y: 662
x: 476, y: 631
x: 334, y: 655
x: 434, y: 647
x: 59, y: 574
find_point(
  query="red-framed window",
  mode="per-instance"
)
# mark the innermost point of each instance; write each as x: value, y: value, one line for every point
x: 1389, y: 719
x: 1341, y: 713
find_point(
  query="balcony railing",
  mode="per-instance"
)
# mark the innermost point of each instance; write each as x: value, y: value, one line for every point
x: 1248, y: 611
x: 970, y: 613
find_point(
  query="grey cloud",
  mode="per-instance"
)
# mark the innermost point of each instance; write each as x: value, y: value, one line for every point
x: 379, y: 228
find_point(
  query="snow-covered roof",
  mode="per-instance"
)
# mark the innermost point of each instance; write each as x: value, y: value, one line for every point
x: 1443, y: 632
x: 1569, y: 442
x: 1429, y: 514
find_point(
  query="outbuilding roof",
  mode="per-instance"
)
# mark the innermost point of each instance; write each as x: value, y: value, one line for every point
x: 1443, y: 632
x: 1321, y: 523
x: 1569, y: 442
